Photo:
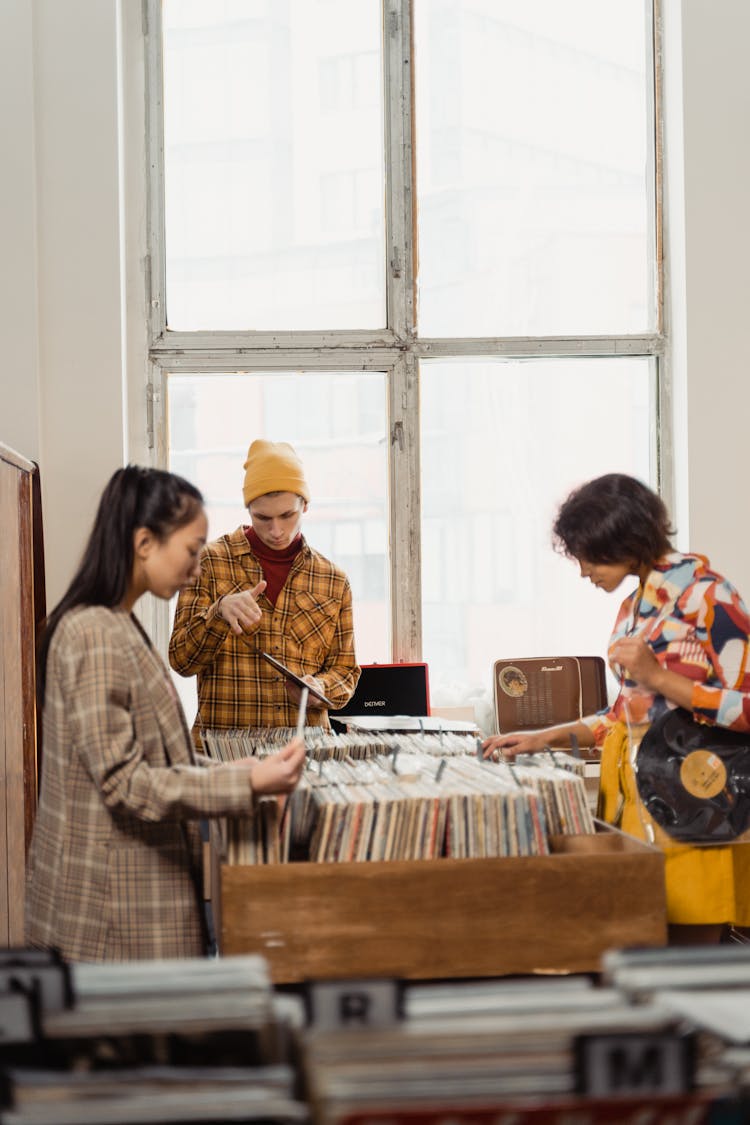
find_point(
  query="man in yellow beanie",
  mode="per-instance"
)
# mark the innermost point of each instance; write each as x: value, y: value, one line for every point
x: 262, y: 588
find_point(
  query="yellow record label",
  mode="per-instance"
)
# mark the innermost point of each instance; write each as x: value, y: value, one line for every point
x: 703, y: 774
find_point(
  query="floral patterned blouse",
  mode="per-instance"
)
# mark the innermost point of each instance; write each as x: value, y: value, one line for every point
x: 698, y: 626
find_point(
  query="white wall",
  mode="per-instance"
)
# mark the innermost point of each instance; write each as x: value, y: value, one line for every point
x: 63, y: 403
x: 73, y: 236
x: 709, y: 254
x: 19, y: 393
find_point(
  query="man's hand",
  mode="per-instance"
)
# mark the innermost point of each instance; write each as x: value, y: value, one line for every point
x: 294, y: 691
x: 241, y: 611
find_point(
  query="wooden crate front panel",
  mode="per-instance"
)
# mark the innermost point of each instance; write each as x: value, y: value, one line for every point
x: 445, y: 918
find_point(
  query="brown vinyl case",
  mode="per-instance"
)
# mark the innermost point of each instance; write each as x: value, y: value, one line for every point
x: 535, y: 692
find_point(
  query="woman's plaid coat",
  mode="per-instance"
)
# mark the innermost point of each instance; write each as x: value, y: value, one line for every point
x: 109, y: 874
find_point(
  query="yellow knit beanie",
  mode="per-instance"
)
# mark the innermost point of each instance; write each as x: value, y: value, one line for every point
x: 273, y: 466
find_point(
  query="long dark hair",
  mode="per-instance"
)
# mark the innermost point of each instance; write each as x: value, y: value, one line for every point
x: 134, y: 497
x: 613, y: 519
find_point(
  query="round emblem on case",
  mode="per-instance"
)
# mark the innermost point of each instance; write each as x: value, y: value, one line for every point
x: 513, y: 682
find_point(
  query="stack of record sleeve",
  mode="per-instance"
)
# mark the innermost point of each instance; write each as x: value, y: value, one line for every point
x: 419, y: 797
x: 156, y: 1041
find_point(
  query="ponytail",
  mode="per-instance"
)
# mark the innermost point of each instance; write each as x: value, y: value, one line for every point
x: 134, y: 497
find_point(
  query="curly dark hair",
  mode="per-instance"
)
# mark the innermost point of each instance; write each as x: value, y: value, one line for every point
x: 613, y: 519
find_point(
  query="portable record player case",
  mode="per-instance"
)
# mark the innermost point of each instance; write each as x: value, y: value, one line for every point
x: 388, y: 689
x: 535, y: 692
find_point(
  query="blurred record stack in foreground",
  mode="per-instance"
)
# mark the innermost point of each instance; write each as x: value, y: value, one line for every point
x: 490, y: 1051
x: 162, y: 1041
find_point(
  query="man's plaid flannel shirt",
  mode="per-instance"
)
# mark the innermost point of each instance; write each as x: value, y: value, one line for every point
x: 310, y: 629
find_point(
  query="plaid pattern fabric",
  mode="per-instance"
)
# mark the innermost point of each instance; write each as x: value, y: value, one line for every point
x: 109, y: 867
x: 309, y: 629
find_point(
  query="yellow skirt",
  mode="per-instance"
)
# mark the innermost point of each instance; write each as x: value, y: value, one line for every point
x: 704, y: 884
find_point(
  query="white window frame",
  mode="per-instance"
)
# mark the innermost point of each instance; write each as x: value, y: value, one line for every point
x: 395, y: 350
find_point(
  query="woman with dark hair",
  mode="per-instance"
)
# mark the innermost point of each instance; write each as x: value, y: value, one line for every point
x: 114, y: 864
x: 681, y: 639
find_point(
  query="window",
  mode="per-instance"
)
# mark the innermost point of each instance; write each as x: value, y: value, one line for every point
x: 336, y: 422
x: 273, y: 165
x: 418, y: 239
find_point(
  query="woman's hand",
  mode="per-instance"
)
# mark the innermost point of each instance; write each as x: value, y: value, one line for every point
x: 509, y: 745
x: 638, y: 662
x: 279, y: 773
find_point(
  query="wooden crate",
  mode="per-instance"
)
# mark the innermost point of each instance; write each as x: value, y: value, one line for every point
x: 447, y: 917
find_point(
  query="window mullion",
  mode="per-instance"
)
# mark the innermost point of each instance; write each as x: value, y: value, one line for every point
x: 200, y: 360
x: 404, y: 504
x: 266, y: 343
x: 403, y: 383
x: 154, y: 612
x: 157, y: 253
x: 398, y: 170
x: 655, y: 170
x: 541, y: 346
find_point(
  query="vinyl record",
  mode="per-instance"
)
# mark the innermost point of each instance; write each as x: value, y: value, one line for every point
x: 694, y: 780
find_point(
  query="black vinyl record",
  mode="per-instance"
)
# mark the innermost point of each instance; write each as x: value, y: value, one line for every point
x: 694, y: 779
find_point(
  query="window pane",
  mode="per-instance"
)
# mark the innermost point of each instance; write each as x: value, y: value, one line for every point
x: 534, y: 167
x: 274, y: 196
x: 336, y: 422
x: 502, y: 444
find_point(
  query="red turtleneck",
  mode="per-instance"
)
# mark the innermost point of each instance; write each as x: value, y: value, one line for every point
x: 275, y: 564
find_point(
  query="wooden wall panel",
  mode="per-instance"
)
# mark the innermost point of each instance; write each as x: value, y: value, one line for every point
x: 21, y: 611
x: 8, y: 653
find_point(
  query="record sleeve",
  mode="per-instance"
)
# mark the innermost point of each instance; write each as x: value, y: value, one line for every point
x: 290, y: 675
